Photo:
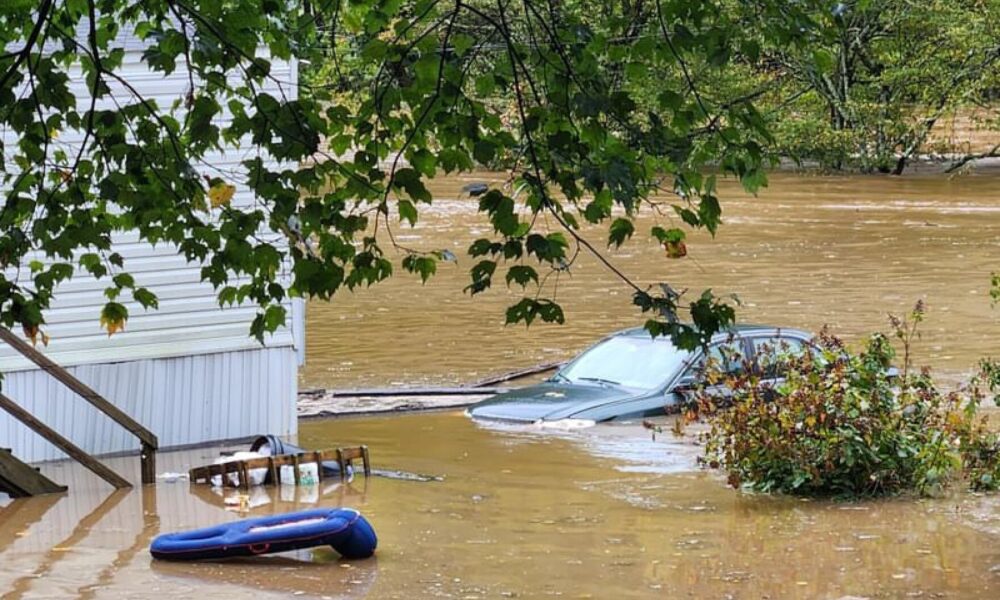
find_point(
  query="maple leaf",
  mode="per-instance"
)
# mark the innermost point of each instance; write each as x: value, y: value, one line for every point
x: 33, y: 332
x: 221, y: 194
x: 113, y: 317
x: 675, y: 249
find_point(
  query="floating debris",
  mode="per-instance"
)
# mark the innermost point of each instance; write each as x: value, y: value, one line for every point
x: 475, y: 189
x: 405, y: 476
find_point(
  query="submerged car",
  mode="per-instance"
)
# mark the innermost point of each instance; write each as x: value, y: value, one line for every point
x: 630, y: 375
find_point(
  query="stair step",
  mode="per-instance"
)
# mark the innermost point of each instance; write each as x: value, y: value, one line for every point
x: 19, y: 479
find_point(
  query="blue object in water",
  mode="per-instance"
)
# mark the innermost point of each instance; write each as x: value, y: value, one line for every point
x: 345, y: 529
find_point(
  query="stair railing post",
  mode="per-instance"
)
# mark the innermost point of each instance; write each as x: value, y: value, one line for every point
x: 147, y: 458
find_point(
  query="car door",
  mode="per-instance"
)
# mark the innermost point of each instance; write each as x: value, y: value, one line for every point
x: 772, y: 355
x: 725, y: 358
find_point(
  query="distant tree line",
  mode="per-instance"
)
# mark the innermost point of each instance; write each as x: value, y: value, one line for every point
x: 856, y: 85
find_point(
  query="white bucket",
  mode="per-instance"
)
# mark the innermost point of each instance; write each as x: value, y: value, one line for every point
x: 308, y: 474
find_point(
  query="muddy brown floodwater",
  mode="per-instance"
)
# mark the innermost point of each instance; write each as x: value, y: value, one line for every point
x: 809, y: 251
x: 602, y: 513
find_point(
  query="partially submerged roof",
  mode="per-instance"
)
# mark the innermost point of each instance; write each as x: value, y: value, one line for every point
x: 741, y: 328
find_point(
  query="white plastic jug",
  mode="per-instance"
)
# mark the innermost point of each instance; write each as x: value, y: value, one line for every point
x: 308, y: 474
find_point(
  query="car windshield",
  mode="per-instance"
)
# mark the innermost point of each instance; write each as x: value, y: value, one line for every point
x: 631, y: 361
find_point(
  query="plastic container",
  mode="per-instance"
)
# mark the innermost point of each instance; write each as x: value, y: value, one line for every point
x: 308, y: 474
x: 270, y: 445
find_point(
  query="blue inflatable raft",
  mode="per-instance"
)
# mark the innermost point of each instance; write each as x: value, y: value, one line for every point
x: 345, y: 529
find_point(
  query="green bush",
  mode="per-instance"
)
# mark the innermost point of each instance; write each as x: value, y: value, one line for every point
x: 846, y: 425
x: 807, y: 138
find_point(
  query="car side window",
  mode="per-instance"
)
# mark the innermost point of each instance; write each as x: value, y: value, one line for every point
x: 773, y: 353
x: 723, y: 357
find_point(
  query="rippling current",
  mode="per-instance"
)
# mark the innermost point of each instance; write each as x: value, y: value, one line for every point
x: 808, y: 251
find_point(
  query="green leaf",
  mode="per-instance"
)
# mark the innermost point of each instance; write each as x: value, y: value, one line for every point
x: 146, y: 298
x: 501, y: 211
x: 482, y: 276
x: 423, y: 265
x: 424, y: 162
x: 409, y: 181
x: 621, y: 229
x: 268, y: 321
x: 407, y: 212
x: 599, y: 208
x: 665, y: 236
x: 521, y: 275
x: 528, y: 309
x: 484, y: 152
x: 274, y: 317
x: 482, y: 247
x: 710, y: 213
x: 123, y: 280
x: 688, y: 216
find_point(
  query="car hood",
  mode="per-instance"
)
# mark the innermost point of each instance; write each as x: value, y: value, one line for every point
x: 548, y: 401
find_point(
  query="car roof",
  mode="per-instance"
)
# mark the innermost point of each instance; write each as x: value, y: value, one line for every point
x: 744, y: 329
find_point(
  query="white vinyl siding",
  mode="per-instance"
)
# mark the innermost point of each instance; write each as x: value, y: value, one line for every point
x: 185, y: 400
x: 189, y: 319
x: 189, y: 371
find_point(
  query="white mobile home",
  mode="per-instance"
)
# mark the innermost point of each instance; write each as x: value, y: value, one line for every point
x: 188, y: 371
